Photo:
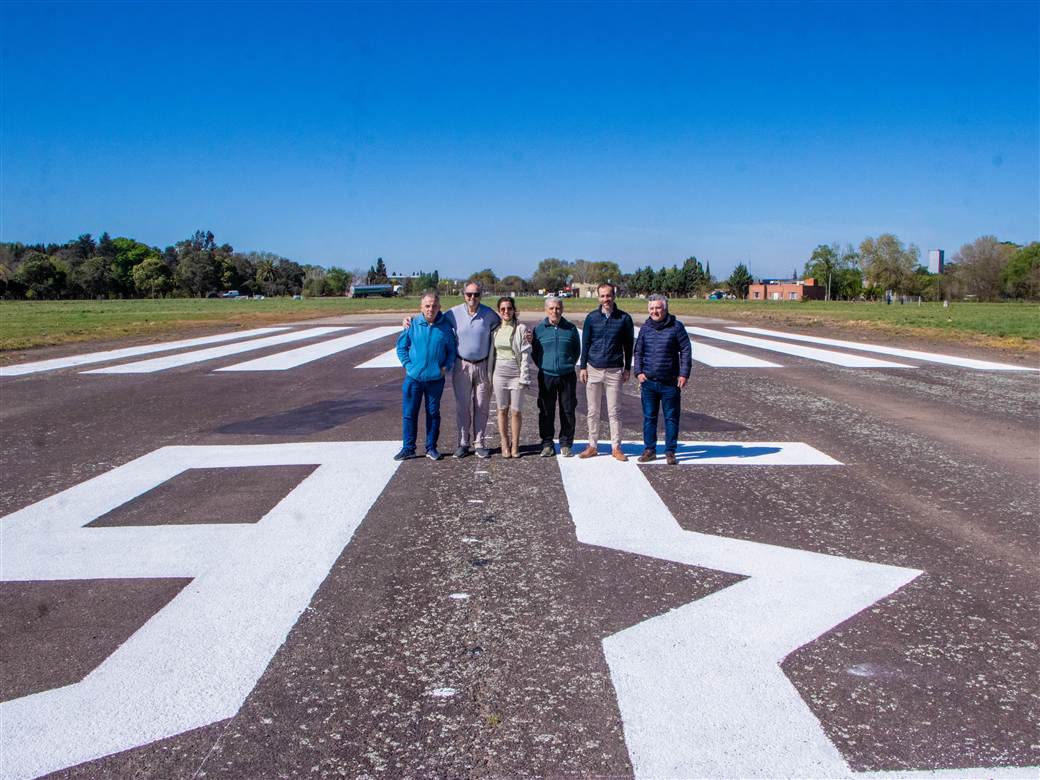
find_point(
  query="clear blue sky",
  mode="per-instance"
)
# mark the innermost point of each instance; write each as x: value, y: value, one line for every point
x: 461, y: 136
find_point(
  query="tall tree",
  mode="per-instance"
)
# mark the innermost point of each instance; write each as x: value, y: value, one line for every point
x: 1021, y: 275
x: 152, y: 277
x: 979, y: 267
x: 739, y: 281
x: 887, y: 263
x: 551, y: 275
x: 377, y: 273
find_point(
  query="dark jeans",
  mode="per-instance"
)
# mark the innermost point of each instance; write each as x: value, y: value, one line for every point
x: 669, y: 398
x: 550, y: 390
x: 412, y: 394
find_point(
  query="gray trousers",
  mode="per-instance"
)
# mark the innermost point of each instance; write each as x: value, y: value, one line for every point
x: 472, y: 387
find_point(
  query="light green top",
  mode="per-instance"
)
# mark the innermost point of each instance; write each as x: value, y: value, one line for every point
x: 504, y: 342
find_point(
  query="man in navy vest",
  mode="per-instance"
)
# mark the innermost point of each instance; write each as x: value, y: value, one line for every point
x: 662, y: 363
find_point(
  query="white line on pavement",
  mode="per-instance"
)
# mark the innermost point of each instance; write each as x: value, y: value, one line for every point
x: 723, y: 358
x: 811, y: 353
x: 931, y: 357
x: 387, y: 360
x: 297, y: 357
x: 187, y: 358
x: 700, y: 688
x: 195, y: 661
x: 118, y: 354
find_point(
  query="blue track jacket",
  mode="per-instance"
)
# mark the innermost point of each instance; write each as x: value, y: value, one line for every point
x: 425, y: 348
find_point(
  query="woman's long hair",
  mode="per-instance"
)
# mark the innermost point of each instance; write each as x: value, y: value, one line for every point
x: 504, y: 298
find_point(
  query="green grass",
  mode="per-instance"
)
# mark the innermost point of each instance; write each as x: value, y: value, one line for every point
x: 27, y: 324
x: 1013, y: 324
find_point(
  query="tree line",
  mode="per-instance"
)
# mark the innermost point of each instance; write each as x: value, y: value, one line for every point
x: 125, y: 268
x: 986, y: 269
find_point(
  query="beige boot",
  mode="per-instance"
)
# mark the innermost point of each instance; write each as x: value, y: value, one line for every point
x: 517, y: 419
x: 503, y: 432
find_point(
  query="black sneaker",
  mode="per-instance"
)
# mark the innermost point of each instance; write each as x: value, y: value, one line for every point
x: 404, y: 454
x: 433, y: 454
x: 461, y: 452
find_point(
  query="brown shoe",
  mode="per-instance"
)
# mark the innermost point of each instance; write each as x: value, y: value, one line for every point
x: 669, y: 458
x: 617, y: 454
x: 648, y: 455
x: 589, y: 452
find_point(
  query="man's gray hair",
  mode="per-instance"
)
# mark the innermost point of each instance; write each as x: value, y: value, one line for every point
x: 480, y: 287
x: 658, y: 297
x: 431, y: 293
x: 554, y: 299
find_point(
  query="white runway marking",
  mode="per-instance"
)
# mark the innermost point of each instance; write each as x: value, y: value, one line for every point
x: 387, y: 360
x: 739, y: 453
x: 198, y: 658
x: 202, y: 355
x: 297, y: 357
x: 118, y: 354
x: 931, y: 357
x: 700, y: 688
x: 723, y: 358
x: 811, y: 353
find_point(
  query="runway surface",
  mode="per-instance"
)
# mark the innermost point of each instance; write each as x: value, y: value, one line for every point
x: 212, y: 567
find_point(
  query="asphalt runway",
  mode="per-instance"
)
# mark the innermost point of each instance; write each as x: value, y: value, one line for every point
x: 212, y: 567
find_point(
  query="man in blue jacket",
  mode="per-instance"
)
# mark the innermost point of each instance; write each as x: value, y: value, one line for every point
x: 662, y: 363
x: 426, y: 349
x: 555, y: 350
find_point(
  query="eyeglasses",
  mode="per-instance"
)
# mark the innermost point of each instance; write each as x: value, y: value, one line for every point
x: 472, y: 295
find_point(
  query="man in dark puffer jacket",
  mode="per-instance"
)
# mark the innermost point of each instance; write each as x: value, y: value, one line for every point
x: 661, y: 362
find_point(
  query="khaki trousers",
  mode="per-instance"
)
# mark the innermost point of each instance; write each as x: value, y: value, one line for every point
x: 472, y: 387
x: 604, y: 380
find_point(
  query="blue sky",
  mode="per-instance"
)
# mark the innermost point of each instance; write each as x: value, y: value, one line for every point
x: 461, y: 136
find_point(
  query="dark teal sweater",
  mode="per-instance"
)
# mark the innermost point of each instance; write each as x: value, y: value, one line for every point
x: 556, y: 348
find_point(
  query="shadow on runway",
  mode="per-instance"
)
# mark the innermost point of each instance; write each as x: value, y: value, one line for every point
x: 312, y: 418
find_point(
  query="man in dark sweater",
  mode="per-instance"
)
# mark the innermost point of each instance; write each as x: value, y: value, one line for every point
x: 555, y: 350
x: 605, y: 365
x: 662, y: 363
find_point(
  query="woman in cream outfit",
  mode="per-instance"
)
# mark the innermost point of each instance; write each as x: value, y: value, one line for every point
x: 510, y: 373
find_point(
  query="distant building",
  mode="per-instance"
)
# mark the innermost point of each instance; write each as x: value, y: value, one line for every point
x: 786, y: 290
x: 585, y: 290
x: 936, y: 257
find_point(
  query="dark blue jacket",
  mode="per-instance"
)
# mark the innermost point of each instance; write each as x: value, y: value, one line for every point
x: 606, y: 342
x: 556, y: 347
x: 425, y: 348
x: 663, y: 351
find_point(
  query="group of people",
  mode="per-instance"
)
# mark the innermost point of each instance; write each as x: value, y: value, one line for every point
x: 488, y: 353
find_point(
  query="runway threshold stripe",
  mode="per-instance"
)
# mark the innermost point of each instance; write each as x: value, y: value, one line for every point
x: 715, y: 357
x: 810, y: 353
x: 282, y: 361
x: 386, y: 360
x: 187, y: 358
x: 118, y: 354
x: 931, y: 357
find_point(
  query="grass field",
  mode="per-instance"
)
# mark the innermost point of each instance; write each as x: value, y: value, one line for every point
x: 28, y: 324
